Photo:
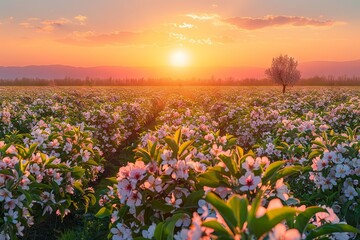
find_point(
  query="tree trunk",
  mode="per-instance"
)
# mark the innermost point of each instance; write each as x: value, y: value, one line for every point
x: 284, y: 86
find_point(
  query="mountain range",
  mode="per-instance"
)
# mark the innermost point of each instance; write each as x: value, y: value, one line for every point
x: 308, y: 69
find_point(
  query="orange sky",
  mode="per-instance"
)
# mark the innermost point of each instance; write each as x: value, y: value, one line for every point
x: 148, y: 33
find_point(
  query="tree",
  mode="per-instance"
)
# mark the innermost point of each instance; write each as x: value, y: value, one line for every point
x: 283, y: 71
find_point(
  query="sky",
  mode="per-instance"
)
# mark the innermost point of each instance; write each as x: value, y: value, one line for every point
x: 203, y: 33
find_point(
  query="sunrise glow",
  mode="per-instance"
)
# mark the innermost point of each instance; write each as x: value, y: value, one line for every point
x: 180, y: 58
x: 156, y: 39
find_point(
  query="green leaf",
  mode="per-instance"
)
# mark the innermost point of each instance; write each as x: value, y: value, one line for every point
x: 177, y: 136
x: 60, y: 166
x: 212, y: 178
x: 32, y: 149
x: 112, y: 180
x: 271, y: 219
x: 78, y: 186
x: 6, y: 172
x: 77, y: 172
x: 239, y: 205
x: 193, y: 198
x: 302, y: 220
x: 158, y: 233
x: 184, y: 146
x: 225, y: 211
x: 213, y: 224
x: 91, y: 162
x: 290, y: 170
x: 40, y: 185
x: 230, y: 164
x: 156, y: 204
x: 315, y: 153
x: 284, y: 145
x: 319, y: 143
x: 92, y: 199
x: 331, y: 228
x: 165, y: 230
x: 142, y: 153
x: 271, y: 171
x: 254, y: 208
x: 27, y: 195
x: 239, y: 151
x: 123, y: 211
x: 170, y: 225
x: 173, y: 145
x: 153, y: 149
x: 103, y: 212
x: 55, y: 186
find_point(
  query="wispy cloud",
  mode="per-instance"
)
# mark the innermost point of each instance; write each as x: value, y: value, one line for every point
x: 250, y: 23
x: 203, y: 17
x: 185, y: 25
x: 81, y: 19
x: 179, y: 37
x: 49, y: 25
x: 120, y: 38
x: 141, y: 38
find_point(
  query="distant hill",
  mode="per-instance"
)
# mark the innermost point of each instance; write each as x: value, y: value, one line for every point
x: 308, y: 69
x: 328, y: 68
x: 61, y: 71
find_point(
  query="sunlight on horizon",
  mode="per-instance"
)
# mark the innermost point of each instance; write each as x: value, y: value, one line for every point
x: 180, y: 58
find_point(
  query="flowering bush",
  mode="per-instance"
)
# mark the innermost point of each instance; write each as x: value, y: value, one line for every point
x: 336, y: 172
x: 53, y: 145
x: 48, y: 171
x: 160, y: 182
x: 169, y: 179
x: 113, y: 123
x: 237, y: 219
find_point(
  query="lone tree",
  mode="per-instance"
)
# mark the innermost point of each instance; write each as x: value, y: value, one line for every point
x: 283, y: 71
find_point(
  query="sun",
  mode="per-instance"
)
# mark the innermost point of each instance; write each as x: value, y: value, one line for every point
x: 179, y: 58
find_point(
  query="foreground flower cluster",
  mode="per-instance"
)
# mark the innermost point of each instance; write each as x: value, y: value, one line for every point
x: 296, y: 172
x: 34, y: 182
x: 166, y: 187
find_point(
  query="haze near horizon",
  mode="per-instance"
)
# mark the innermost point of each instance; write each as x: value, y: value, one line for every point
x: 176, y: 34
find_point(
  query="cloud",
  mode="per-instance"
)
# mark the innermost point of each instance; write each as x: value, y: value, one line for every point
x: 48, y: 25
x: 81, y: 19
x: 271, y: 21
x: 120, y: 38
x: 202, y: 17
x: 185, y: 25
x: 200, y: 40
x: 141, y: 38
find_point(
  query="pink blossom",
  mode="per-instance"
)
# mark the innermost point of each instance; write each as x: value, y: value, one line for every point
x: 134, y: 199
x: 121, y: 232
x: 251, y: 164
x: 173, y: 201
x: 279, y: 232
x: 249, y: 181
x: 153, y: 184
x: 326, y: 217
x: 196, y: 231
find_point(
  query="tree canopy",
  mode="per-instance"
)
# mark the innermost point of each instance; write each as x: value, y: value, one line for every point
x: 284, y: 71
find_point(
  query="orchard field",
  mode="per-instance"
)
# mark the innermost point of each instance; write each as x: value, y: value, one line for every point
x: 179, y: 163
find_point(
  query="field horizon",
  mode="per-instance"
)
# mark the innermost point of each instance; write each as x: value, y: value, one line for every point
x: 334, y: 69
